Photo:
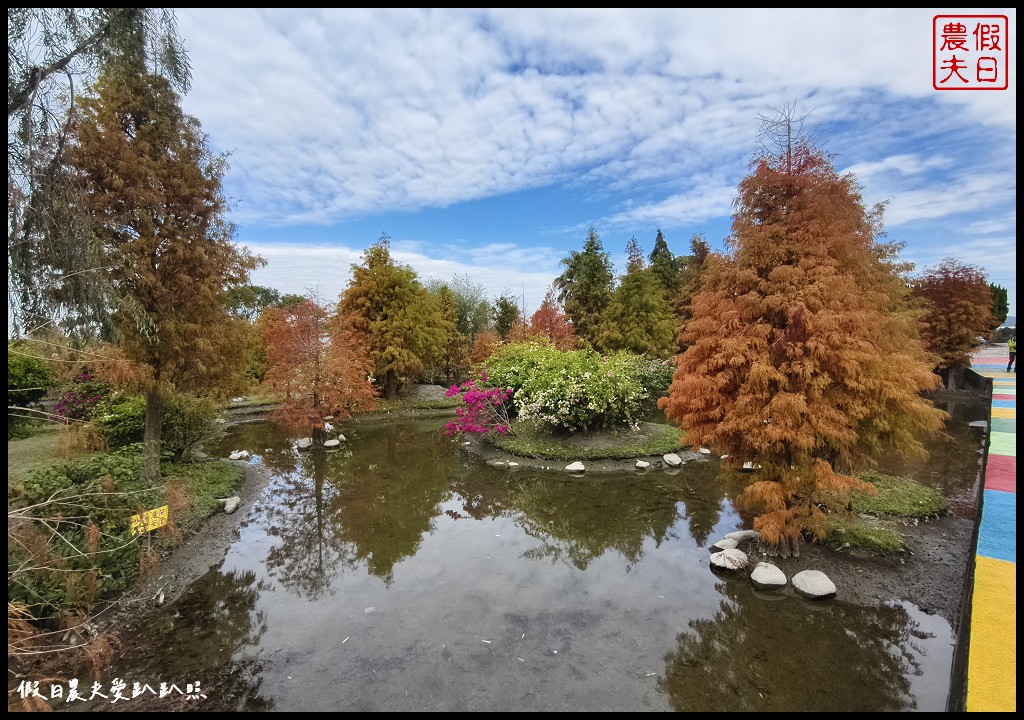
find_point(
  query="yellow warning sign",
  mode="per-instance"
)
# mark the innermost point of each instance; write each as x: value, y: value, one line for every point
x: 149, y: 520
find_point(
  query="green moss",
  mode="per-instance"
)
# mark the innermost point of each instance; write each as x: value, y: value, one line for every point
x: 863, y: 533
x: 205, y: 482
x: 897, y: 496
x: 532, y: 440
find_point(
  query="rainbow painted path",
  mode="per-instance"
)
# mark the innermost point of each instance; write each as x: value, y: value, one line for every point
x: 992, y: 656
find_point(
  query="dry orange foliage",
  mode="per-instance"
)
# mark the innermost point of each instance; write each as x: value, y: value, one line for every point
x: 802, y: 353
x: 318, y: 362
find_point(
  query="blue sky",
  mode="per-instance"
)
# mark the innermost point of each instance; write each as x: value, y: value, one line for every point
x: 486, y: 142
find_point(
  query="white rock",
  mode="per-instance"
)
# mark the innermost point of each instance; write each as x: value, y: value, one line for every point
x: 341, y: 438
x: 672, y: 460
x: 512, y: 464
x: 704, y: 451
x: 328, y: 418
x: 575, y: 467
x: 236, y: 455
x: 814, y: 584
x: 331, y: 443
x: 642, y: 464
x: 231, y: 504
x: 304, y: 443
x: 767, y: 577
x: 743, y: 535
x: 730, y: 559
x: 496, y: 463
x: 724, y: 544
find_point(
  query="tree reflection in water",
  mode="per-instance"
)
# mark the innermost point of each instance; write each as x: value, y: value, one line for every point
x: 303, y: 517
x: 782, y: 653
x: 339, y: 509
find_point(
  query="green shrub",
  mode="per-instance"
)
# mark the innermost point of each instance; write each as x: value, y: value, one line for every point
x: 573, y: 390
x: 655, y: 376
x: 188, y: 422
x: 89, y: 502
x: 121, y: 418
x: 28, y: 378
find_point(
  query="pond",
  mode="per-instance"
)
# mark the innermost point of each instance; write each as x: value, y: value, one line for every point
x: 401, y: 573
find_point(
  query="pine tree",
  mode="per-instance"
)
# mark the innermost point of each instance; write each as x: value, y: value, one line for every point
x: 638, y: 319
x: 506, y: 313
x: 402, y: 322
x: 154, y: 193
x: 585, y: 287
x: 1000, y: 304
x: 803, y: 354
x: 666, y: 266
x: 689, y: 284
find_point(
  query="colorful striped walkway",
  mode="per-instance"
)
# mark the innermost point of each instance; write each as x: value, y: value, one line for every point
x: 992, y: 656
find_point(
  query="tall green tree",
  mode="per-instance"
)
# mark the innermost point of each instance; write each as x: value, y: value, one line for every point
x: 638, y: 318
x: 153, y: 190
x: 585, y: 287
x: 454, y: 358
x: 803, y: 352
x: 1000, y: 304
x: 506, y: 313
x: 957, y: 301
x: 54, y: 268
x: 402, y: 322
x: 666, y: 266
x: 689, y: 284
x: 472, y: 308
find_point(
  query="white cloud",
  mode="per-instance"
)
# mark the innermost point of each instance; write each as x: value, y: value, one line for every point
x: 646, y: 116
x: 335, y: 113
x: 326, y: 269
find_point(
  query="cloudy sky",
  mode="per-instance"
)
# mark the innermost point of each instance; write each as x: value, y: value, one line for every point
x: 486, y: 142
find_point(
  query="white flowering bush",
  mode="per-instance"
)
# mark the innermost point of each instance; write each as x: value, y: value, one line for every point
x: 571, y: 390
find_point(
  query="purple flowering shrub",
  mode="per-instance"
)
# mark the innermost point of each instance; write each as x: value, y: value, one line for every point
x: 80, y: 400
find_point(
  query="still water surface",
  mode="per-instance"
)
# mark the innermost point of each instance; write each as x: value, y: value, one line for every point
x: 401, y: 573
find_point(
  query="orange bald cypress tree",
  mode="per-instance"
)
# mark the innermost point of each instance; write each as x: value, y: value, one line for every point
x: 549, y: 321
x: 957, y: 301
x: 153, y: 193
x: 802, y: 352
x: 320, y: 363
